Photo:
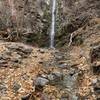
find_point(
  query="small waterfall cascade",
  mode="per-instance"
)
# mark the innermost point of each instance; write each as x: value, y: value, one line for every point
x: 52, y: 33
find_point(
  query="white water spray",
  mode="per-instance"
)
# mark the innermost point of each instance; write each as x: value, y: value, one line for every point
x: 52, y: 34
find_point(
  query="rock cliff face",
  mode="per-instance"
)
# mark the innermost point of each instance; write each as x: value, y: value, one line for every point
x: 33, y: 18
x: 74, y: 14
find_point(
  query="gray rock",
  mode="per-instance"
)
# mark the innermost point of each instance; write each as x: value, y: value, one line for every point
x: 44, y: 76
x: 4, y: 56
x: 55, y: 78
x: 16, y: 58
x: 25, y: 77
x: 58, y: 74
x: 41, y: 81
x: 74, y: 97
x: 62, y: 65
x: 51, y: 77
x: 16, y: 86
x: 3, y: 88
x: 70, y: 81
x: 3, y: 62
x: 59, y: 56
x: 19, y: 48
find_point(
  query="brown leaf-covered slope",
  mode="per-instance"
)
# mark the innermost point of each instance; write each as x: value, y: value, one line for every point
x: 73, y: 73
x: 19, y: 66
x: 70, y: 73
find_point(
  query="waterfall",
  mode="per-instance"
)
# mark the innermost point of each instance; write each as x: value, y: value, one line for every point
x: 52, y: 33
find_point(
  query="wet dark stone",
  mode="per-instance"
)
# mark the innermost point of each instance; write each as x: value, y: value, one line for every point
x: 41, y: 62
x: 97, y: 90
x: 95, y: 54
x: 38, y: 88
x: 78, y: 40
x: 96, y: 69
x: 71, y: 28
x: 28, y: 97
x: 16, y: 61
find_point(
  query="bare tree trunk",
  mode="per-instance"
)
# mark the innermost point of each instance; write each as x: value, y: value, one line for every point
x: 13, y: 10
x: 14, y: 17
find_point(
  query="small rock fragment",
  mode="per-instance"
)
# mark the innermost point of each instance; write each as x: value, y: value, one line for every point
x: 41, y: 81
x: 51, y: 77
x: 16, y: 86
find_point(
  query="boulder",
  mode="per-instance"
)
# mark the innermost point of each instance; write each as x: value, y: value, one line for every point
x: 40, y: 81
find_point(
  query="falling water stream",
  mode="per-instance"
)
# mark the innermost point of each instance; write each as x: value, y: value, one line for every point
x: 52, y: 33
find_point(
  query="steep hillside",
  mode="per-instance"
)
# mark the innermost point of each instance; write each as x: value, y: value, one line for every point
x: 30, y: 70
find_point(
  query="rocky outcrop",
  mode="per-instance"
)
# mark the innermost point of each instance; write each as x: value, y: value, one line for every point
x: 34, y: 19
x: 13, y: 53
x: 73, y: 15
